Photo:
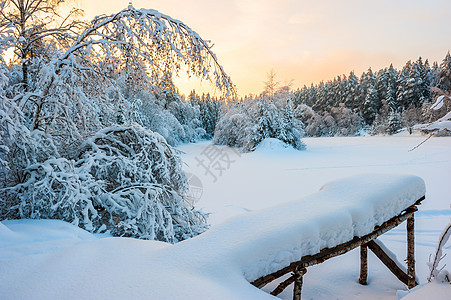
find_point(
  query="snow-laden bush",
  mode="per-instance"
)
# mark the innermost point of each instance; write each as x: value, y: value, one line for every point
x: 124, y: 179
x: 55, y: 189
x: 232, y: 129
x: 142, y: 184
x: 19, y: 149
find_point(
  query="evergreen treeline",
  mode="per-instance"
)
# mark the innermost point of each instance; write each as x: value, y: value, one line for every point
x: 377, y: 103
x: 386, y: 100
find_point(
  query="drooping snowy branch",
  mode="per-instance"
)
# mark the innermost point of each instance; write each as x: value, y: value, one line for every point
x: 163, y: 42
x: 81, y: 76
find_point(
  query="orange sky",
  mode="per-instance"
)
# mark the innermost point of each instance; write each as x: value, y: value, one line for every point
x: 304, y: 40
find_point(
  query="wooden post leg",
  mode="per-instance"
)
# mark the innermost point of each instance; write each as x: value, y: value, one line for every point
x: 411, y: 252
x: 298, y: 274
x: 363, y: 264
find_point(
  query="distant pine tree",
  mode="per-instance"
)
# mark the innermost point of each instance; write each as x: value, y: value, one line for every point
x: 444, y: 74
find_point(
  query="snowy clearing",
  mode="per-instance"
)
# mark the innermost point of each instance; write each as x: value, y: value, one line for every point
x: 52, y: 259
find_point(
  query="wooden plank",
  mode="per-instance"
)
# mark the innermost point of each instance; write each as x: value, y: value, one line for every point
x: 283, y: 285
x: 388, y: 262
x: 298, y: 278
x: 411, y: 252
x: 363, y: 264
x: 327, y: 253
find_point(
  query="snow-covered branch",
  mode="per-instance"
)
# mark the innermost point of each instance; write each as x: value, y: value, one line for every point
x: 161, y: 40
x: 436, y: 272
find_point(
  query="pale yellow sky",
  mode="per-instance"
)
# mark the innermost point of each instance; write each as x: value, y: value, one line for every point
x: 304, y: 40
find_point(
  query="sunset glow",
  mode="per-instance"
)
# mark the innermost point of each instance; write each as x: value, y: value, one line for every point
x: 307, y: 41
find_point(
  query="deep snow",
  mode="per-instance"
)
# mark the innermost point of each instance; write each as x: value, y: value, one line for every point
x: 51, y: 259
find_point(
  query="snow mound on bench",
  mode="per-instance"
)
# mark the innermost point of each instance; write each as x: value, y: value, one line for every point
x: 265, y: 241
x: 216, y: 264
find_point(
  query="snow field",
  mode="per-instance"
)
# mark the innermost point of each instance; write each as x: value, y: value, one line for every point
x: 273, y: 175
x: 53, y: 260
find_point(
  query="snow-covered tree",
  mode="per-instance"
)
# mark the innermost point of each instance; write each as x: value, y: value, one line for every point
x: 247, y: 123
x: 125, y: 179
x: 291, y: 129
x: 369, y: 107
x: 232, y: 128
x: 65, y: 96
x: 34, y: 28
x: 444, y: 74
x: 60, y: 134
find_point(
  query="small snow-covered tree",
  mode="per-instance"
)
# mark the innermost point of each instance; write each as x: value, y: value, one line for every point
x: 291, y: 129
x: 233, y: 126
x: 444, y: 74
x: 394, y: 122
x: 266, y: 123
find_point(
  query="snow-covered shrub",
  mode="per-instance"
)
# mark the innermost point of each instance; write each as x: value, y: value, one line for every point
x: 124, y: 179
x: 314, y: 122
x: 231, y: 130
x: 19, y: 149
x: 55, y: 189
x: 348, y: 123
x: 141, y: 185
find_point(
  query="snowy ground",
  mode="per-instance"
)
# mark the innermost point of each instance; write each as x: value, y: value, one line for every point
x: 272, y: 175
x: 49, y: 259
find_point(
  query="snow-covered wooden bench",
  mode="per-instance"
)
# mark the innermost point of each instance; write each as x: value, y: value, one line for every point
x: 343, y: 215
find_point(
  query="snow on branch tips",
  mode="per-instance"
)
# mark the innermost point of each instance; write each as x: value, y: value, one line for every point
x: 162, y: 42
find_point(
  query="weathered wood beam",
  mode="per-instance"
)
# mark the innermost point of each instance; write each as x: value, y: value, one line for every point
x: 326, y: 253
x: 283, y: 285
x: 411, y: 283
x: 388, y: 262
x: 298, y: 275
x: 363, y: 264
